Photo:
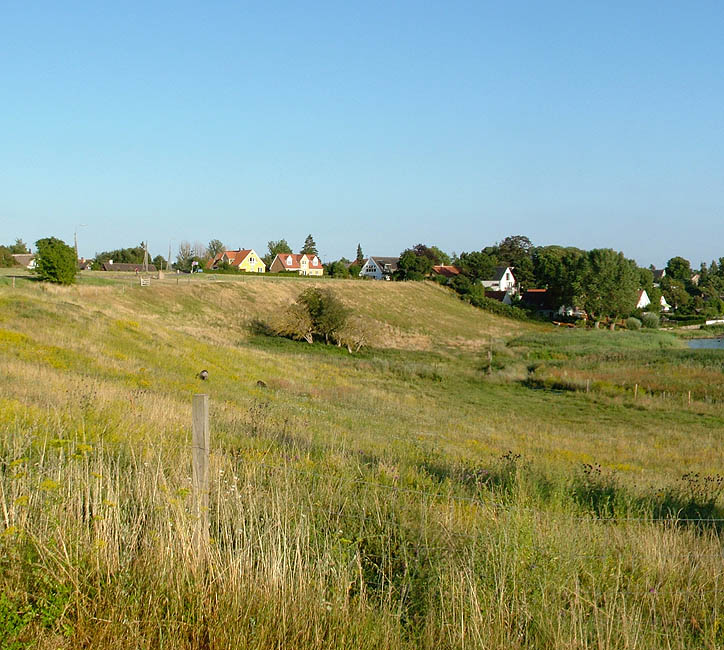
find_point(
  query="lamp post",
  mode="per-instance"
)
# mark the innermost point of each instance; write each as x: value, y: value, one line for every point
x: 75, y: 239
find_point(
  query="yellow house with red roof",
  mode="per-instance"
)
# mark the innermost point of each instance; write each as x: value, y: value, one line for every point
x: 245, y: 259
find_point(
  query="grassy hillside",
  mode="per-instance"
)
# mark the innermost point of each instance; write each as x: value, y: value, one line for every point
x: 412, y: 495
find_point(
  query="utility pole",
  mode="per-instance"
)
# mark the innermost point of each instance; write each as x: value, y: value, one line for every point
x: 145, y: 257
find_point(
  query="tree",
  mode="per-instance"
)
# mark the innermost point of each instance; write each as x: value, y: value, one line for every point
x: 337, y: 269
x: 675, y: 292
x: 679, y: 268
x: 121, y: 255
x: 276, y: 248
x: 55, y: 261
x: 214, y: 248
x: 556, y: 269
x: 606, y: 285
x: 19, y: 248
x: 326, y: 312
x: 516, y: 251
x: 159, y: 262
x: 360, y: 259
x: 477, y: 265
x: 310, y: 247
x: 412, y: 266
x: 433, y: 252
x: 188, y: 254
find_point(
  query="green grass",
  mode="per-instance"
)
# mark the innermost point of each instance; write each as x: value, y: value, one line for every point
x: 413, y: 495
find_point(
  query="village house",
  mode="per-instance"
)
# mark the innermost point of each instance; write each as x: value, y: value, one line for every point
x: 506, y: 297
x: 244, y: 259
x: 446, y: 271
x: 26, y: 260
x: 644, y: 301
x: 502, y: 279
x: 301, y: 263
x: 379, y: 268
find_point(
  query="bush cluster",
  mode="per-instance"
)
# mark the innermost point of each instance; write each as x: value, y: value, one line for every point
x: 317, y: 315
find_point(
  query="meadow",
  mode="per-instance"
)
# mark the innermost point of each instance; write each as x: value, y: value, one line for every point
x: 465, y: 481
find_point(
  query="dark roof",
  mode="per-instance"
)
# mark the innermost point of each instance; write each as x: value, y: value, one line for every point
x: 496, y: 295
x: 385, y: 261
x: 122, y: 266
x: 498, y: 273
x: 658, y: 274
x: 538, y: 298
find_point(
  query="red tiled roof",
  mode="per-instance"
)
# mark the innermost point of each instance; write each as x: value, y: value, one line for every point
x: 296, y: 261
x: 235, y: 257
x: 446, y: 270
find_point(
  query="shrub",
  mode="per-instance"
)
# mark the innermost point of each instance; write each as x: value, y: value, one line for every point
x: 55, y: 261
x: 633, y: 323
x: 650, y: 320
x: 327, y: 313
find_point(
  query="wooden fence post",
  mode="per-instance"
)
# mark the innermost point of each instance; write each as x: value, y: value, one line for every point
x: 636, y: 391
x: 588, y: 385
x: 200, y: 457
x: 13, y: 282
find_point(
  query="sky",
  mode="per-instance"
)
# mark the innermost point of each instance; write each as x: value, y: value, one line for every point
x: 387, y: 124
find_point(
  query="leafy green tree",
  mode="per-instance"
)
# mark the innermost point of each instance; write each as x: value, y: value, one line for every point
x: 675, y: 292
x: 327, y: 313
x: 360, y: 259
x: 121, y: 255
x: 607, y: 284
x: 646, y: 280
x: 556, y: 269
x: 337, y: 269
x: 275, y: 248
x: 516, y: 251
x: 187, y: 255
x: 159, y: 262
x: 310, y: 247
x: 477, y: 265
x: 679, y: 268
x: 215, y: 247
x: 354, y: 270
x: 433, y: 252
x: 55, y: 261
x: 19, y: 248
x: 413, y: 266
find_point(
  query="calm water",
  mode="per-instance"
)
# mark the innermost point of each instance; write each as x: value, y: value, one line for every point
x: 707, y: 344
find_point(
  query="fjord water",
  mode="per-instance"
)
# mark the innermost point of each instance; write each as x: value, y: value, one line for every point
x: 707, y: 344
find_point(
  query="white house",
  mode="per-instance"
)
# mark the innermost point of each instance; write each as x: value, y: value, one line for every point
x: 502, y: 279
x: 379, y: 268
x: 643, y: 300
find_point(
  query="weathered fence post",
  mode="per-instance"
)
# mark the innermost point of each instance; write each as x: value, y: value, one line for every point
x: 588, y: 385
x: 636, y: 391
x: 689, y: 398
x: 13, y: 282
x: 200, y: 445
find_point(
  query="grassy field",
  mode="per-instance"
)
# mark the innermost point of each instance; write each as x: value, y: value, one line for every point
x: 413, y: 495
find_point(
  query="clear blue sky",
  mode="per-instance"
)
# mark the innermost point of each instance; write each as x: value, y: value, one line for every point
x: 448, y: 123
